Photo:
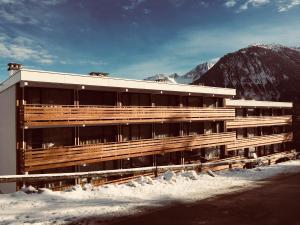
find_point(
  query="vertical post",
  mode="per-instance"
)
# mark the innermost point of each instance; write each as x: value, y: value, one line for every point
x: 76, y: 103
x: 119, y: 99
x: 76, y: 131
x: 181, y: 131
x: 119, y: 128
x: 152, y: 100
x: 180, y: 101
x: 223, y: 148
x: 22, y: 102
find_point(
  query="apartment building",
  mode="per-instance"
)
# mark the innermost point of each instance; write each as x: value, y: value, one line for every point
x: 59, y: 122
x: 262, y: 127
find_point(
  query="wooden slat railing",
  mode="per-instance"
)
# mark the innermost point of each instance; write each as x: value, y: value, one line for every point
x: 59, y: 115
x: 260, y: 141
x: 241, y: 122
x: 38, y: 159
x: 229, y: 162
x: 142, y: 170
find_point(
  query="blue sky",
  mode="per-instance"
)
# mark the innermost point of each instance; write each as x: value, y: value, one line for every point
x: 138, y: 38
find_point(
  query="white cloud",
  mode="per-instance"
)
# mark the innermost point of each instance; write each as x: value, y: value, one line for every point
x: 133, y: 4
x: 203, y: 3
x: 284, y: 6
x: 177, y: 3
x: 41, y: 2
x: 25, y: 11
x: 17, y: 17
x: 148, y: 67
x: 90, y: 62
x: 230, y: 3
x: 23, y: 49
x: 253, y: 3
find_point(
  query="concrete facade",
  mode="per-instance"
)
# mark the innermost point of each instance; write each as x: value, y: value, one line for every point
x: 8, y: 156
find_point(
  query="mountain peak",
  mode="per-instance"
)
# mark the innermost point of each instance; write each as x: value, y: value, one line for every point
x: 200, y: 69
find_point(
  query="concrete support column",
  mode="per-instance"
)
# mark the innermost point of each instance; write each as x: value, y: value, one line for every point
x: 119, y: 99
x: 180, y: 101
x: 152, y: 100
x: 22, y: 141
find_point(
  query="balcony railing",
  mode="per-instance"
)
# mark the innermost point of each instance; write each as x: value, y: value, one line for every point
x: 59, y: 115
x: 260, y: 141
x: 241, y: 122
x: 39, y: 159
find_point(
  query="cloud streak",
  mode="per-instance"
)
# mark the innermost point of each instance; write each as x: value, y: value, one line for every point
x: 243, y: 5
x: 252, y: 3
x: 24, y: 49
x: 25, y: 11
x: 132, y: 4
x: 230, y: 3
x: 284, y: 6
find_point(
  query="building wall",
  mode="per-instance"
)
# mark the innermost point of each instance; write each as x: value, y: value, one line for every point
x: 8, y: 136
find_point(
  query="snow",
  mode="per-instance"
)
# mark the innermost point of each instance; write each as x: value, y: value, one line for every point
x: 48, y: 207
x: 274, y: 47
x: 187, y: 78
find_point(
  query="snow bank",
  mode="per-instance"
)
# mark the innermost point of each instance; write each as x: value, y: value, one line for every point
x: 48, y: 207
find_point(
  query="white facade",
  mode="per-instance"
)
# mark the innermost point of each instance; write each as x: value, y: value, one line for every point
x: 8, y: 157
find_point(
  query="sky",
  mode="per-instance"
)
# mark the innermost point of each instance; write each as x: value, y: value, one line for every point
x: 138, y: 38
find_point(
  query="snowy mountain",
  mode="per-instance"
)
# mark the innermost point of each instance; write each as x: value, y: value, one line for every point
x: 187, y: 78
x: 262, y: 72
x: 164, y: 78
x: 200, y: 69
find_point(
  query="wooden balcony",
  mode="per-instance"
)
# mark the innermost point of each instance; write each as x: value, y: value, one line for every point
x: 241, y: 122
x: 58, y: 115
x: 38, y: 159
x: 260, y: 141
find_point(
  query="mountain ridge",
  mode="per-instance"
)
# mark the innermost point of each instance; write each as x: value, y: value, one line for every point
x: 261, y: 72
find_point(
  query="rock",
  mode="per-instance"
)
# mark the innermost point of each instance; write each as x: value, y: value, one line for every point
x: 144, y: 180
x: 211, y: 173
x: 44, y: 191
x: 169, y: 176
x: 190, y: 174
x: 88, y: 187
x: 29, y: 190
x: 133, y: 184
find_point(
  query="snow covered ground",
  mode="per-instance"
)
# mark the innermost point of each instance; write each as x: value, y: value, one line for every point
x: 61, y: 207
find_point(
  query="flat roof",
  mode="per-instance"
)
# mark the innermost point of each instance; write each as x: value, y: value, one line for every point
x: 58, y: 78
x: 257, y: 104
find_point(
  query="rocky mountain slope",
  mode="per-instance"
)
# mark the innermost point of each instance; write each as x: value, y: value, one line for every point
x: 262, y: 72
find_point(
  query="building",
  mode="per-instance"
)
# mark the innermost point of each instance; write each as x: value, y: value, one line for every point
x: 59, y: 122
x: 261, y: 127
